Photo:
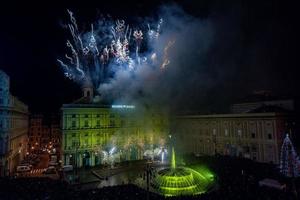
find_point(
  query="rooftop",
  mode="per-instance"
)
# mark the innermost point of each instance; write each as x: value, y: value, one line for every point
x: 261, y: 96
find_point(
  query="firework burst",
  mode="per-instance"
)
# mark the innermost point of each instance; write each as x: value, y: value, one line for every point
x: 94, y: 56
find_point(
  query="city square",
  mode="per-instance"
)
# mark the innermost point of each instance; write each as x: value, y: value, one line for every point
x: 149, y: 100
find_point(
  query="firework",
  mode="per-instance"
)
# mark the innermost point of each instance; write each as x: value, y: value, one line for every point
x: 166, y: 60
x: 93, y: 56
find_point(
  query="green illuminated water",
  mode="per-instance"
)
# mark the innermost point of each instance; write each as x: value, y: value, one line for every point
x: 173, y: 159
x: 174, y: 181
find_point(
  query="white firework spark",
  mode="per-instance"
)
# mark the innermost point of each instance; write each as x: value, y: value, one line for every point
x: 94, y: 54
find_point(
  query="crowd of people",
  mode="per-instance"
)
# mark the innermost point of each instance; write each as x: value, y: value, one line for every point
x: 236, y: 179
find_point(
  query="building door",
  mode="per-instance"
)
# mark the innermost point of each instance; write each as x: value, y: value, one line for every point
x: 133, y: 153
x: 86, y: 159
x: 97, y: 160
x: 71, y: 160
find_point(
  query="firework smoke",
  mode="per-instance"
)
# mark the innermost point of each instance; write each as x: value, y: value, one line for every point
x: 95, y: 61
x: 155, y: 64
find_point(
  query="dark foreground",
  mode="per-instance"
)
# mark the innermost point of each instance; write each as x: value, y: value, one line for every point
x: 237, y: 179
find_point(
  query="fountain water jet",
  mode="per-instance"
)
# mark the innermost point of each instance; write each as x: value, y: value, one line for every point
x: 175, y: 181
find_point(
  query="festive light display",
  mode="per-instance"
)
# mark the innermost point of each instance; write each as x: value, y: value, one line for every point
x: 289, y: 160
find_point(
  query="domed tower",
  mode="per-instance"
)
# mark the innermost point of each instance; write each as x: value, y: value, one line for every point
x: 88, y: 90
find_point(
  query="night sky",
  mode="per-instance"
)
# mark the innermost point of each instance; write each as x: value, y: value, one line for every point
x: 256, y: 47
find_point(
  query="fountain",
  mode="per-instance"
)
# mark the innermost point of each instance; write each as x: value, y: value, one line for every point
x: 175, y: 181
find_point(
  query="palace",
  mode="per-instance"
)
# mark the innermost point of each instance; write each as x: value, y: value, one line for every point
x: 257, y: 135
x: 94, y: 134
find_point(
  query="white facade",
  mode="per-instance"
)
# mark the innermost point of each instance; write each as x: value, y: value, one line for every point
x: 13, y: 128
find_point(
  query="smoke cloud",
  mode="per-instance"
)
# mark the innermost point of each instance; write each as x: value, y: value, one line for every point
x: 201, y: 64
x: 186, y: 40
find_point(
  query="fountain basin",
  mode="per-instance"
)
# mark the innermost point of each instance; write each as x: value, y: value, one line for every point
x: 181, y: 181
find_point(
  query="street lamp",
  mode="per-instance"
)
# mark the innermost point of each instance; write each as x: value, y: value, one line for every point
x: 214, y: 139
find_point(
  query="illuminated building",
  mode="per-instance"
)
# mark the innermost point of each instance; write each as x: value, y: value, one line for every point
x: 13, y: 128
x: 39, y: 134
x: 43, y: 133
x: 257, y: 136
x: 94, y: 134
x: 56, y: 135
x: 254, y: 129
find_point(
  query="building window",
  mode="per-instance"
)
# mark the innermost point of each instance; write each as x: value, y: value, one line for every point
x: 252, y: 135
x: 86, y: 116
x: 269, y: 136
x: 98, y: 123
x: 73, y: 124
x: 122, y: 123
x: 214, y: 131
x: 73, y: 143
x: 73, y: 116
x: 239, y: 132
x: 86, y: 123
x: 98, y: 116
x: 111, y: 123
x: 226, y: 132
x: 1, y: 101
x: 111, y: 115
x: 86, y: 134
x: 73, y: 134
x: 246, y: 149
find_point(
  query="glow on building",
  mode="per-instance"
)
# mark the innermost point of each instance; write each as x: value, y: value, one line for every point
x: 91, y: 131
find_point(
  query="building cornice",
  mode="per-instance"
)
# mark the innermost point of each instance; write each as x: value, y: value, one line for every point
x: 239, y: 115
x: 66, y: 106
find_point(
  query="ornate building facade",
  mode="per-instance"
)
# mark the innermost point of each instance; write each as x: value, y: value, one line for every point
x: 257, y: 136
x: 94, y: 134
x: 13, y: 128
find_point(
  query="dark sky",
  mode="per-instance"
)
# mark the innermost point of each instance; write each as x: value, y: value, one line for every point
x: 263, y: 42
